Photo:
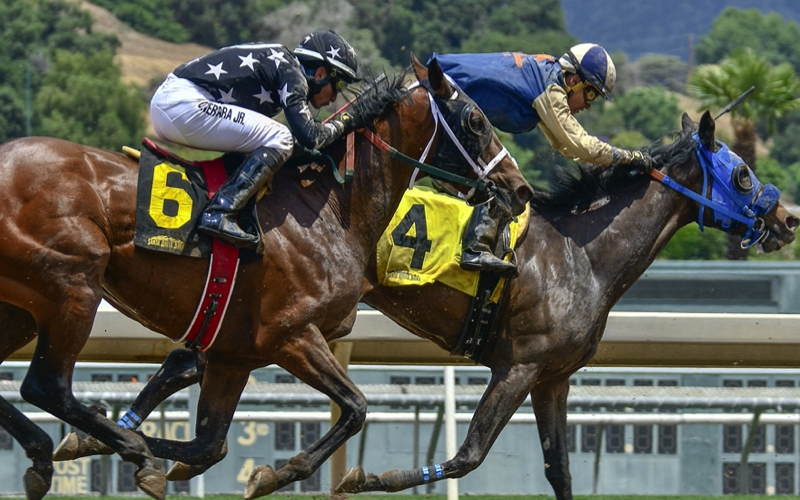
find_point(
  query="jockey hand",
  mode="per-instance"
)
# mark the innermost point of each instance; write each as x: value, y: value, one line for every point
x: 344, y: 123
x: 637, y: 162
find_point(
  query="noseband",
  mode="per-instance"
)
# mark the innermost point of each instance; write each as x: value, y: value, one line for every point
x: 736, y: 196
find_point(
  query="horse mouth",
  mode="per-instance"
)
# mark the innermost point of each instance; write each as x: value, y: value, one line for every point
x: 781, y: 235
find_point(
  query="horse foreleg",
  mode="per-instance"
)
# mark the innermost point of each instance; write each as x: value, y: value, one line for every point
x: 47, y: 385
x: 38, y: 447
x: 507, y: 390
x: 180, y: 369
x: 549, y: 402
x: 19, y: 329
x: 311, y: 360
x: 223, y: 383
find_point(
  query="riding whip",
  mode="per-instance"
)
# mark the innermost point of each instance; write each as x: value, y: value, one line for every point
x: 735, y: 102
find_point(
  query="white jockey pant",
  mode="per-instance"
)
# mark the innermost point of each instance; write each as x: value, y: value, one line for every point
x: 184, y: 113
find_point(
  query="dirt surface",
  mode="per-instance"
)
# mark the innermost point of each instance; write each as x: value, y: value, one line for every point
x: 142, y: 58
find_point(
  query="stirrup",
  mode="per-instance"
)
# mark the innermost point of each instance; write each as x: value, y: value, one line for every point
x: 220, y: 225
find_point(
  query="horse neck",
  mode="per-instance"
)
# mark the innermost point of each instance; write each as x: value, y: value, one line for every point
x: 380, y: 182
x: 615, y: 244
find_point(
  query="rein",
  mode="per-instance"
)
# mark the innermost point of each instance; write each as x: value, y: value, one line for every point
x: 746, y: 216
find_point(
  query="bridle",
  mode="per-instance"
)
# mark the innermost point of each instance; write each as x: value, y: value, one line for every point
x: 731, y: 207
x: 478, y: 166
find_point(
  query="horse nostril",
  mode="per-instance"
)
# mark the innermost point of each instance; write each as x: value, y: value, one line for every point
x: 792, y: 222
x: 524, y: 194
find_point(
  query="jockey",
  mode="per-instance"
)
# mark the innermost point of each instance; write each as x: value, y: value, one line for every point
x: 224, y: 101
x: 517, y: 92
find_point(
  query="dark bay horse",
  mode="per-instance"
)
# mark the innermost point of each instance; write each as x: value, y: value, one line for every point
x: 66, y: 242
x: 573, y: 269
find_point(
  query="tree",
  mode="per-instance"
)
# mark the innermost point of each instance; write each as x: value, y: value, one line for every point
x: 649, y: 110
x: 776, y: 91
x: 775, y: 39
x: 83, y: 100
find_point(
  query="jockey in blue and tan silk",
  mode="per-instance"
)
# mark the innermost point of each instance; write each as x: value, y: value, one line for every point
x: 518, y: 92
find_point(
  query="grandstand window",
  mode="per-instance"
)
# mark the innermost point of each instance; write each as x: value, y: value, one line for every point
x: 102, y: 377
x: 571, y: 430
x: 425, y: 381
x: 784, y: 383
x: 181, y: 487
x: 732, y: 434
x: 784, y: 439
x: 730, y: 479
x: 309, y: 434
x: 6, y: 376
x: 643, y: 434
x: 615, y: 434
x: 732, y: 438
x: 784, y: 478
x: 757, y: 478
x: 477, y: 381
x: 284, y: 436
x: 96, y: 476
x: 283, y: 378
x: 588, y: 438
x: 642, y: 439
x: 127, y: 377
x: 126, y: 482
x: 667, y: 439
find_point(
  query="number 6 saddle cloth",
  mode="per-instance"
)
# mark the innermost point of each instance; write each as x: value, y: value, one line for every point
x: 422, y: 243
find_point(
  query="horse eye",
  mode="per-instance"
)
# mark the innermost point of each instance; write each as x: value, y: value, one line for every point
x: 741, y: 179
x: 472, y: 120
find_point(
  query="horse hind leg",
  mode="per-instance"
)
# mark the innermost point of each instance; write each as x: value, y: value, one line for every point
x: 311, y: 361
x: 19, y: 329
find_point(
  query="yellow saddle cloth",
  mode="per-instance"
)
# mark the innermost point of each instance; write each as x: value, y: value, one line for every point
x: 422, y: 243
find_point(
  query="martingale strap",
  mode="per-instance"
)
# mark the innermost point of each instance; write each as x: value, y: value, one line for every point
x: 221, y: 277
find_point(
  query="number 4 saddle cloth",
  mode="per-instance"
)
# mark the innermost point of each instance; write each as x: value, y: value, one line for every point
x: 422, y: 243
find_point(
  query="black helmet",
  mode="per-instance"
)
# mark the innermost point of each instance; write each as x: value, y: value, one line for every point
x: 326, y: 48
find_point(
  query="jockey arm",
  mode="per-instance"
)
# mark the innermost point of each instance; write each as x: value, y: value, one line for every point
x: 565, y: 134
x: 308, y: 132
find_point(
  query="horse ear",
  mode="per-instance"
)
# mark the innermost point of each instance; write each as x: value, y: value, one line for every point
x: 419, y: 69
x: 438, y: 82
x: 706, y: 132
x: 687, y: 124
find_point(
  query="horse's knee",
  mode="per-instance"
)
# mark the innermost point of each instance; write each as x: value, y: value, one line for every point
x: 356, y: 413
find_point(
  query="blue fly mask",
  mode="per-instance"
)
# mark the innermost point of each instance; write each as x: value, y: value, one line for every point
x: 737, y: 197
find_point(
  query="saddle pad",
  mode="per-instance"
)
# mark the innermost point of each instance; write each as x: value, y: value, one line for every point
x: 422, y: 243
x: 169, y: 200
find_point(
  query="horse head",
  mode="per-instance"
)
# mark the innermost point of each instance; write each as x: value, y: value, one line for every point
x: 468, y: 146
x: 730, y: 197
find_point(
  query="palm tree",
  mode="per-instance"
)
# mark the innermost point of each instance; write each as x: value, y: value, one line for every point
x: 777, y: 88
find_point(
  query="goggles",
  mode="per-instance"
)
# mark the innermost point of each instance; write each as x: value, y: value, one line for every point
x: 591, y: 93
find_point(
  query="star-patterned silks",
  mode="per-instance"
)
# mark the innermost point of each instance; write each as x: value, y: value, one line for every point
x: 284, y: 93
x: 333, y: 52
x: 305, y: 111
x: 276, y: 56
x: 215, y: 69
x: 263, y: 96
x: 226, y: 97
x: 248, y: 61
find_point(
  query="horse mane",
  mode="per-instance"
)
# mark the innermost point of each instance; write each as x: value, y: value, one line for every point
x: 376, y: 97
x: 578, y: 189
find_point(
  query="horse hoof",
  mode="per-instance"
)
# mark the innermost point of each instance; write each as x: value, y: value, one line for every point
x: 152, y: 482
x: 350, y: 482
x: 73, y: 447
x: 36, y: 486
x: 263, y: 481
x: 183, y: 472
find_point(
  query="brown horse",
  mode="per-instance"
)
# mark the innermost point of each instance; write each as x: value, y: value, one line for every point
x: 573, y: 269
x: 67, y: 223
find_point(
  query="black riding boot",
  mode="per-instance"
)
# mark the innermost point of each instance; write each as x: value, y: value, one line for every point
x: 478, y: 242
x: 219, y: 216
